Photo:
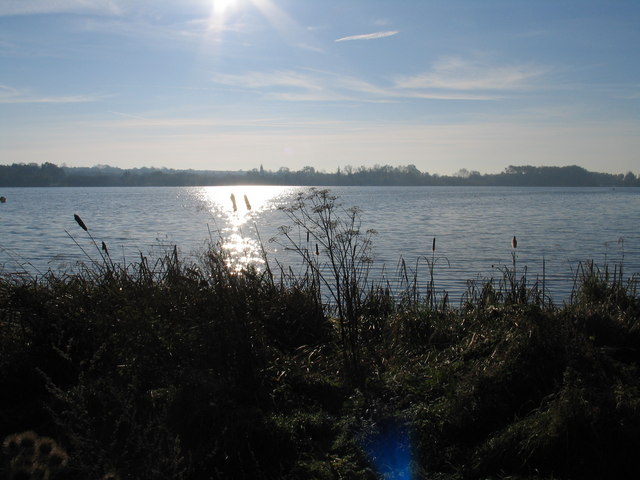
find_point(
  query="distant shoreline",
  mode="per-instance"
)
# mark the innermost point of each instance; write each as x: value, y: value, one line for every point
x: 50, y: 175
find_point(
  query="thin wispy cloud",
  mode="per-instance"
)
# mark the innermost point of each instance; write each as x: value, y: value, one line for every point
x: 310, y: 48
x: 11, y: 95
x: 369, y: 36
x: 221, y: 123
x: 63, y: 99
x: 26, y: 7
x: 261, y: 80
x: 304, y: 86
x: 319, y: 86
x: 143, y: 30
x: 461, y: 74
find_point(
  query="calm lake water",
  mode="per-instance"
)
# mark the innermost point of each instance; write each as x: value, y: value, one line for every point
x: 473, y: 227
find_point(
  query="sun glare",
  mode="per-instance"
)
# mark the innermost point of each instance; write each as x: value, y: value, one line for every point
x: 234, y: 209
x: 221, y: 10
x: 222, y: 13
x: 220, y: 7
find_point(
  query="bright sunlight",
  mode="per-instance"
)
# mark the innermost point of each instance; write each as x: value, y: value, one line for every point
x: 220, y: 7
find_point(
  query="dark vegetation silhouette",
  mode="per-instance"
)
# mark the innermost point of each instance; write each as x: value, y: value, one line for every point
x: 50, y: 175
x: 174, y: 369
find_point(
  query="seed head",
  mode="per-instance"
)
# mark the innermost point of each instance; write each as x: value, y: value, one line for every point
x: 514, y: 242
x: 80, y: 222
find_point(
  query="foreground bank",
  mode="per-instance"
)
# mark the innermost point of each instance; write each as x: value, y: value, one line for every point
x: 171, y: 370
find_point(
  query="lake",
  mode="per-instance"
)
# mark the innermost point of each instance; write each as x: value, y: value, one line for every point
x: 473, y: 227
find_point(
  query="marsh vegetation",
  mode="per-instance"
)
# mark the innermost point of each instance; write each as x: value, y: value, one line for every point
x: 173, y: 369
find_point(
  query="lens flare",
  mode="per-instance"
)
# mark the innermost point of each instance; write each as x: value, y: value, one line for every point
x: 390, y: 451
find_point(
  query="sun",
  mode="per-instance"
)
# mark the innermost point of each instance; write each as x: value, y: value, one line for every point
x: 221, y: 10
x: 220, y: 7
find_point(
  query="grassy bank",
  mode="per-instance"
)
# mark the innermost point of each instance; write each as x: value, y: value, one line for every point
x: 179, y: 370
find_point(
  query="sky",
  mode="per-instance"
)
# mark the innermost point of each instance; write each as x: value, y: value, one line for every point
x: 234, y: 84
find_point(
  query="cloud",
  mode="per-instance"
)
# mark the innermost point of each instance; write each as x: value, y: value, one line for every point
x: 309, y: 86
x: 310, y: 48
x: 64, y: 99
x: 260, y: 80
x: 139, y: 8
x: 459, y: 74
x: 26, y: 7
x: 12, y: 95
x: 226, y: 123
x: 369, y: 36
x: 320, y: 86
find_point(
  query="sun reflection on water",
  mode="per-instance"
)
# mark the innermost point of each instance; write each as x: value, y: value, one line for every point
x: 235, y: 210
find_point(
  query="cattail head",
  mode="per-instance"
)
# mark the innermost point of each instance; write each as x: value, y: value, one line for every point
x: 317, y: 250
x: 233, y: 202
x: 246, y: 202
x: 104, y: 248
x: 80, y: 222
x: 433, y: 245
x: 514, y: 242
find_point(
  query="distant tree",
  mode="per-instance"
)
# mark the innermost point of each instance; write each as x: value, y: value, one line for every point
x: 630, y: 179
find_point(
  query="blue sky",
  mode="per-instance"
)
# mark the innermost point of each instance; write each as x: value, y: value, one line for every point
x: 235, y: 84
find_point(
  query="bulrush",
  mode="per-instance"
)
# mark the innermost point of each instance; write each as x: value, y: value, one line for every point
x: 233, y: 202
x: 514, y: 242
x: 80, y: 222
x: 246, y: 202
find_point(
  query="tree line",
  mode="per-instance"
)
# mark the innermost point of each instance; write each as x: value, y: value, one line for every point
x: 51, y: 175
